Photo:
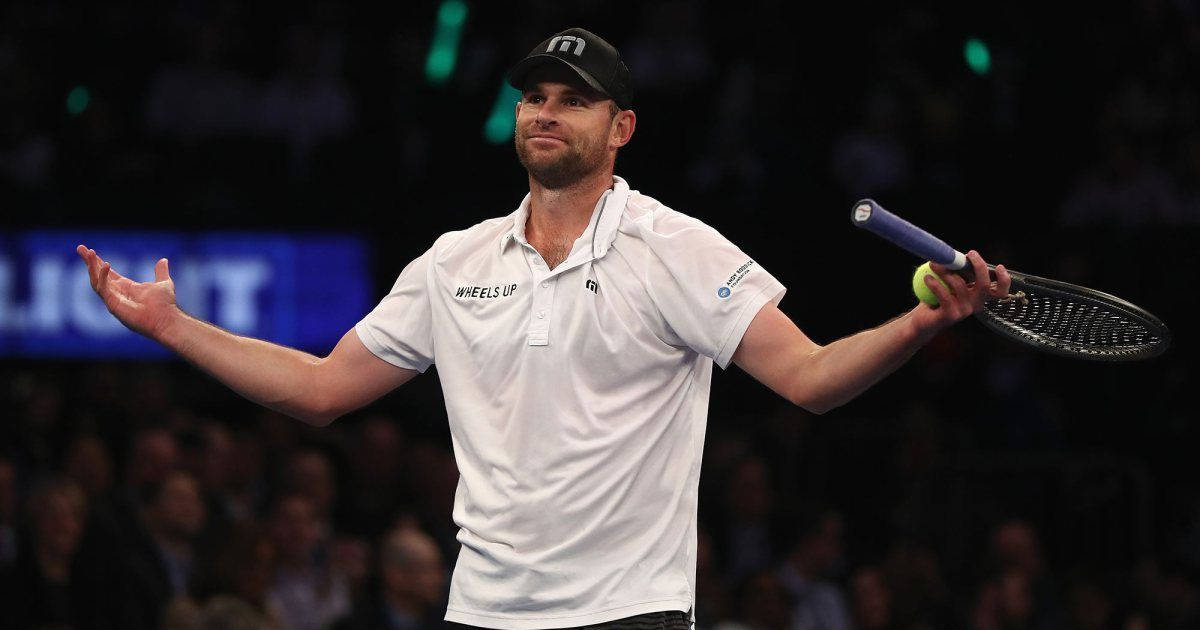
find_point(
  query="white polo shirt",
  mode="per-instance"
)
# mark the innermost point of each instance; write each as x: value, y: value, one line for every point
x: 577, y: 398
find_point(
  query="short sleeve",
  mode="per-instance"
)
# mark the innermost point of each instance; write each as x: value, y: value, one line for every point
x: 706, y: 288
x: 399, y: 329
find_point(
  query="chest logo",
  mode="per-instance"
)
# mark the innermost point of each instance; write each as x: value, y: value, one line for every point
x: 485, y: 293
x: 591, y: 285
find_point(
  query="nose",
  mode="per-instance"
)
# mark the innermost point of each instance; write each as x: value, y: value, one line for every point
x: 547, y: 115
x: 546, y: 119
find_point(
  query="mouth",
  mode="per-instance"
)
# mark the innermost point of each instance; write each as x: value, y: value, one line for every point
x: 547, y: 138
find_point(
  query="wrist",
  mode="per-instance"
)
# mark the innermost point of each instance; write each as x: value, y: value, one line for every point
x: 170, y: 330
x: 922, y: 324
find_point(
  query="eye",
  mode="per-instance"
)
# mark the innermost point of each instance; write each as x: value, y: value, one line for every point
x: 533, y: 98
x: 574, y: 101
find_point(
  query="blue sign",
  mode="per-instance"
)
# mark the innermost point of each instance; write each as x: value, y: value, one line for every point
x: 303, y: 291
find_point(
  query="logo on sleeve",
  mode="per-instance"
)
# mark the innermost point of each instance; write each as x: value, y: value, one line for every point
x: 725, y: 291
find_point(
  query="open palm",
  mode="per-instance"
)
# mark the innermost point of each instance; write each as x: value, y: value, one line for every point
x: 143, y: 307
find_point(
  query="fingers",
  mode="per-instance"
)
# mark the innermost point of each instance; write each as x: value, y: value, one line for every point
x: 1003, y: 281
x: 93, y: 264
x: 943, y: 294
x: 100, y: 272
x: 102, y: 277
x: 999, y: 283
x: 161, y: 271
x: 983, y: 279
x: 958, y: 285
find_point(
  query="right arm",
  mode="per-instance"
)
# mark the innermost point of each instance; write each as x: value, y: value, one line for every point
x: 315, y: 390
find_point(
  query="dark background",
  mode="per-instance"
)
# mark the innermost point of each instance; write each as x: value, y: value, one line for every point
x: 1076, y: 157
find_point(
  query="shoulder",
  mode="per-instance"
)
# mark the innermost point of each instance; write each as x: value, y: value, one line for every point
x: 645, y: 214
x: 650, y: 226
x: 474, y: 239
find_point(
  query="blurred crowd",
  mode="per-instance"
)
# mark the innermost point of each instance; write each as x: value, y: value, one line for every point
x: 1018, y: 494
x: 152, y: 498
x: 230, y: 113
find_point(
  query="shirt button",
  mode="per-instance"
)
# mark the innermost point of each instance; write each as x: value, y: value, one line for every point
x: 541, y: 314
x: 545, y: 285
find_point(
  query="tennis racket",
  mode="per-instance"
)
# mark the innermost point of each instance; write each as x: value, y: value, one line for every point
x: 1056, y: 317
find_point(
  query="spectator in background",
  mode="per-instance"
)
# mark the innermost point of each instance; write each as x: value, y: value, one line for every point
x: 41, y: 590
x: 1123, y: 190
x: 807, y: 573
x: 749, y: 502
x: 88, y: 462
x: 203, y: 96
x: 1006, y: 602
x: 1089, y: 604
x: 871, y: 599
x: 412, y: 588
x: 375, y: 458
x: 309, y: 473
x: 8, y: 514
x: 919, y: 597
x: 153, y: 454
x: 154, y: 560
x: 709, y: 587
x: 763, y: 603
x: 871, y: 159
x: 306, y: 589
x: 174, y: 518
x: 238, y: 573
x: 1018, y: 593
x: 246, y: 485
x: 307, y: 101
x: 1015, y: 547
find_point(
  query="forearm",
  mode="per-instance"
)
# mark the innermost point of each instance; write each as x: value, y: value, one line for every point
x: 275, y: 376
x: 834, y: 374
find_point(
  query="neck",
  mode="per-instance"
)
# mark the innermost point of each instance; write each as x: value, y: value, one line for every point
x: 558, y: 216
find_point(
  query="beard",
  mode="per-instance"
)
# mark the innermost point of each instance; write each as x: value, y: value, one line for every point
x: 578, y: 160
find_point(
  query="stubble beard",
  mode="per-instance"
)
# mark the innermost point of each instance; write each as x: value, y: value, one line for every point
x: 572, y: 166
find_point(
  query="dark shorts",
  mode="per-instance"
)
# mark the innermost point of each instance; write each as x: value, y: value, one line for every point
x: 668, y: 620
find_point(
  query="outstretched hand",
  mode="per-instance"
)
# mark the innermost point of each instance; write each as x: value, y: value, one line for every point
x: 143, y: 307
x: 962, y: 298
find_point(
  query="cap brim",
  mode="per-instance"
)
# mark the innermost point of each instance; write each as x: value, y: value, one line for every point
x: 517, y: 76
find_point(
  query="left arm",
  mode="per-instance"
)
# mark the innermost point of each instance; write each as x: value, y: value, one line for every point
x: 819, y: 378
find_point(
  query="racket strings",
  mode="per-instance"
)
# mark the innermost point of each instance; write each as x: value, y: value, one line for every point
x: 1083, y: 325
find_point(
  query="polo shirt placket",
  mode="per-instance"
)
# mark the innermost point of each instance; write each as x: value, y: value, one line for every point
x: 545, y: 281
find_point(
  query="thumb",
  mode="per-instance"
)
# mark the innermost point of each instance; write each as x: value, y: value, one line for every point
x: 161, y: 272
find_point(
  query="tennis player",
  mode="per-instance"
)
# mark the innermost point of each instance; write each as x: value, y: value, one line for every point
x: 575, y: 339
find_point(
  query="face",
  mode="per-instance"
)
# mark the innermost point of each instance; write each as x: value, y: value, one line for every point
x: 180, y: 507
x: 294, y: 529
x: 565, y: 130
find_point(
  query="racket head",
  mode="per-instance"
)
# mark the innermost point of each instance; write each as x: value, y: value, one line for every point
x: 1076, y: 322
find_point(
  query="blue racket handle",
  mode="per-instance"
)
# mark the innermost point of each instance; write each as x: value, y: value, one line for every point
x: 872, y: 217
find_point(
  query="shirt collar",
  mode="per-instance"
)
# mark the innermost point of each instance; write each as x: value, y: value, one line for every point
x: 610, y: 207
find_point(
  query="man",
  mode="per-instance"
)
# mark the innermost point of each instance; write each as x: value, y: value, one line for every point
x: 411, y: 587
x: 574, y: 340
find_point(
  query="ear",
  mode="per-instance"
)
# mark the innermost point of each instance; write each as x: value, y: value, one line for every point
x: 622, y: 128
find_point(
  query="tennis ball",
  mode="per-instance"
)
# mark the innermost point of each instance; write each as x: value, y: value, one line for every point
x: 923, y: 293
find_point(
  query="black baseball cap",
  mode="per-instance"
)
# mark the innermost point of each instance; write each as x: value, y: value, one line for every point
x: 596, y: 61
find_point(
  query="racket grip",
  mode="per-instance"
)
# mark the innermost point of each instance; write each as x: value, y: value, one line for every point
x: 872, y: 217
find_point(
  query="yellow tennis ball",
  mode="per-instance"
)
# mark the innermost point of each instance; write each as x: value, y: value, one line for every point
x: 923, y: 293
